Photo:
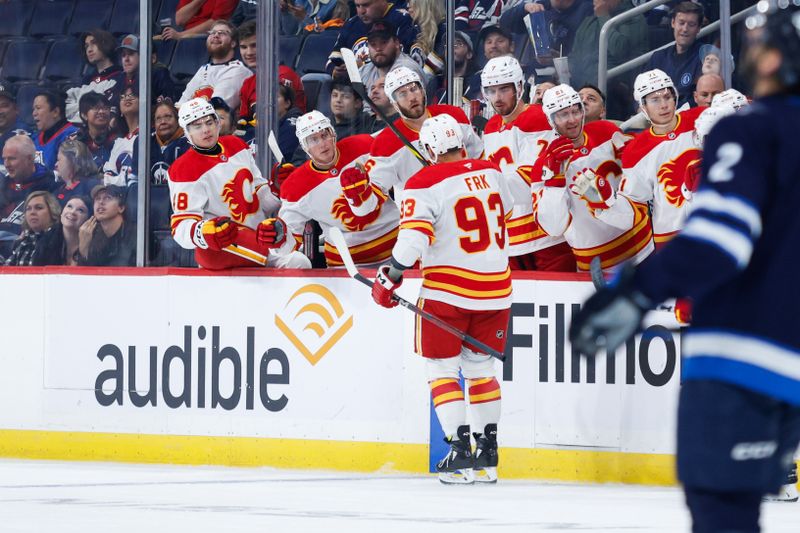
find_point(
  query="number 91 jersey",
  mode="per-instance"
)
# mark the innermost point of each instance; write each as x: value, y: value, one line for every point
x: 454, y: 215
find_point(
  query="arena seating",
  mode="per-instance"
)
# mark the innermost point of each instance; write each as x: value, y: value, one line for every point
x: 51, y: 18
x: 15, y: 17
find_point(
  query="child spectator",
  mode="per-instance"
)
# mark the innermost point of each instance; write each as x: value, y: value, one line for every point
x: 53, y: 128
x: 77, y: 172
x: 106, y: 238
x: 41, y: 212
x: 59, y: 246
x: 287, y: 116
x: 105, y: 77
x: 96, y: 132
x: 227, y: 118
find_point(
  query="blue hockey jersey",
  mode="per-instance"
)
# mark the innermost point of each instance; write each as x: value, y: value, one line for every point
x: 738, y: 255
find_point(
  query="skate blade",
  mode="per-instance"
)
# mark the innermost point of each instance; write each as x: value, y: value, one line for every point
x: 459, y: 477
x: 787, y: 493
x: 486, y: 474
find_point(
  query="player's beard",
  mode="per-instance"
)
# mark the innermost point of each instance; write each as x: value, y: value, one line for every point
x: 413, y: 113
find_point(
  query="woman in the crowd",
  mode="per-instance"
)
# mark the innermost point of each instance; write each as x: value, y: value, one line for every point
x: 429, y: 48
x: 60, y: 245
x: 41, y: 212
x: 119, y: 168
x: 77, y: 172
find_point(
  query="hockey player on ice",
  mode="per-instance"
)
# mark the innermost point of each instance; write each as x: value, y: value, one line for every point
x: 579, y: 168
x: 656, y: 163
x: 513, y: 139
x: 219, y: 199
x: 333, y: 189
x: 391, y: 163
x: 739, y: 405
x: 453, y: 218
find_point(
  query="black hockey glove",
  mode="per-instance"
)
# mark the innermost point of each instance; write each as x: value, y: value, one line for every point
x: 610, y: 317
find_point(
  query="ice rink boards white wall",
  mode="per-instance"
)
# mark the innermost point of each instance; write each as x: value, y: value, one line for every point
x: 303, y: 371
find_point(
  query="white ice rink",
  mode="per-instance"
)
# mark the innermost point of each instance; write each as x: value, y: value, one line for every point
x: 40, y: 496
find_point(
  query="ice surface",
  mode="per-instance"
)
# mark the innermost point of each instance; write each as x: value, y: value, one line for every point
x: 43, y: 496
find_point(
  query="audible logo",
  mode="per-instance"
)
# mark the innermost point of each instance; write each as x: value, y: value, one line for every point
x: 314, y: 321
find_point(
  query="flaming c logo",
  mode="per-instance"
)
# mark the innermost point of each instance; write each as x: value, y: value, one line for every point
x: 313, y: 321
x: 207, y: 91
x: 239, y: 195
x: 340, y: 210
x: 672, y: 176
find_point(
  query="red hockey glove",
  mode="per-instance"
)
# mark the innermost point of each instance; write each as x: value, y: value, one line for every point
x: 595, y: 190
x: 355, y: 185
x: 215, y: 234
x: 271, y: 232
x: 383, y: 288
x: 278, y: 175
x: 557, y: 153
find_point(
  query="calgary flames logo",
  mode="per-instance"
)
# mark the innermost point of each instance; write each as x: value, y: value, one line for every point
x: 207, y: 91
x: 608, y: 169
x: 673, y: 177
x: 238, y: 194
x: 341, y: 211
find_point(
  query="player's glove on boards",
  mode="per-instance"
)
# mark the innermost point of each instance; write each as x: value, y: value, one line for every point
x: 215, y: 234
x: 383, y: 288
x: 355, y: 185
x: 596, y: 190
x: 271, y: 232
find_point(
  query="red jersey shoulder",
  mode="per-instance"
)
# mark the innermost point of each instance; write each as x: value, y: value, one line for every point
x: 187, y: 167
x: 600, y: 131
x: 232, y: 145
x: 388, y: 143
x: 301, y: 181
x: 494, y: 124
x: 688, y: 119
x: 446, y: 109
x: 532, y: 119
x: 352, y: 147
x: 430, y: 176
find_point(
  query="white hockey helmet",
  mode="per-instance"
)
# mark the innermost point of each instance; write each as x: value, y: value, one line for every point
x: 557, y: 98
x: 309, y: 124
x: 194, y: 109
x: 397, y: 78
x: 708, y: 119
x: 650, y: 82
x: 439, y: 135
x: 730, y: 97
x: 500, y: 71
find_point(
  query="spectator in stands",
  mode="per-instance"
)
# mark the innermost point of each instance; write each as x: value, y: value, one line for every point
x: 78, y: 173
x: 161, y: 83
x: 320, y: 15
x: 167, y: 142
x: 227, y: 118
x: 594, y: 103
x: 708, y: 86
x: 474, y: 15
x: 496, y: 42
x: 53, y: 128
x: 247, y: 94
x: 59, y: 246
x: 347, y: 110
x: 119, y: 169
x: 385, y: 54
x: 41, y: 212
x: 465, y: 68
x: 379, y: 98
x: 355, y: 30
x: 538, y: 91
x: 198, y: 17
x: 711, y: 59
x: 106, y: 238
x: 563, y: 19
x: 429, y: 48
x: 246, y: 11
x: 105, y: 76
x: 627, y: 40
x: 681, y: 62
x: 287, y: 116
x: 10, y: 123
x: 96, y: 132
x: 223, y: 75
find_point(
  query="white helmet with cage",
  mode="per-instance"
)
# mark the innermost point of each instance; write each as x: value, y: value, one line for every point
x: 500, y: 71
x: 439, y: 135
x: 557, y: 98
x: 708, y: 119
x: 309, y: 124
x: 730, y: 97
x: 194, y: 109
x: 397, y: 78
x: 650, y: 82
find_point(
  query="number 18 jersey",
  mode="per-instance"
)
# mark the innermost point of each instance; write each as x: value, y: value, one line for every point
x: 454, y: 216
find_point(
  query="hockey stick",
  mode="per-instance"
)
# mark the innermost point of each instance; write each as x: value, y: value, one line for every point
x: 599, y: 282
x: 358, y: 86
x: 344, y: 252
x: 272, y: 142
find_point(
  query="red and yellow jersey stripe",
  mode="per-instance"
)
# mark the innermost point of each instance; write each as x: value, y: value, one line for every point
x: 446, y: 390
x: 621, y: 248
x: 483, y: 390
x: 176, y: 219
x: 423, y: 226
x: 523, y: 229
x: 468, y: 283
x: 370, y: 252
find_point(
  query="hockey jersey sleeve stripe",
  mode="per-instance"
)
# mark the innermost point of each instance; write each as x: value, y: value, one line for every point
x: 730, y: 206
x: 620, y: 249
x: 423, y: 226
x: 523, y: 229
x: 467, y: 293
x: 469, y: 274
x: 175, y: 220
x: 738, y: 246
x: 663, y: 238
x: 373, y: 251
x: 466, y: 283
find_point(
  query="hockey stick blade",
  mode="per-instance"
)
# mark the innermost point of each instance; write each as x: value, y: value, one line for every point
x: 358, y: 86
x: 596, y: 271
x: 337, y: 238
x: 272, y: 142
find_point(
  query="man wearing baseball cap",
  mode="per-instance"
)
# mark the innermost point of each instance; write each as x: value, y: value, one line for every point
x: 385, y: 53
x: 162, y: 84
x: 107, y: 238
x: 10, y: 123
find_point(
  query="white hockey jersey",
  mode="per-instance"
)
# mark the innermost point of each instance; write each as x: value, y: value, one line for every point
x: 118, y: 170
x: 313, y: 194
x: 228, y: 184
x: 514, y: 147
x: 224, y: 80
x: 654, y: 170
x: 559, y: 211
x: 391, y: 163
x: 454, y: 215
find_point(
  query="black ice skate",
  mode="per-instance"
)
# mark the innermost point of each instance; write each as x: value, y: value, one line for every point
x: 788, y: 492
x: 456, y: 466
x: 486, y: 455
